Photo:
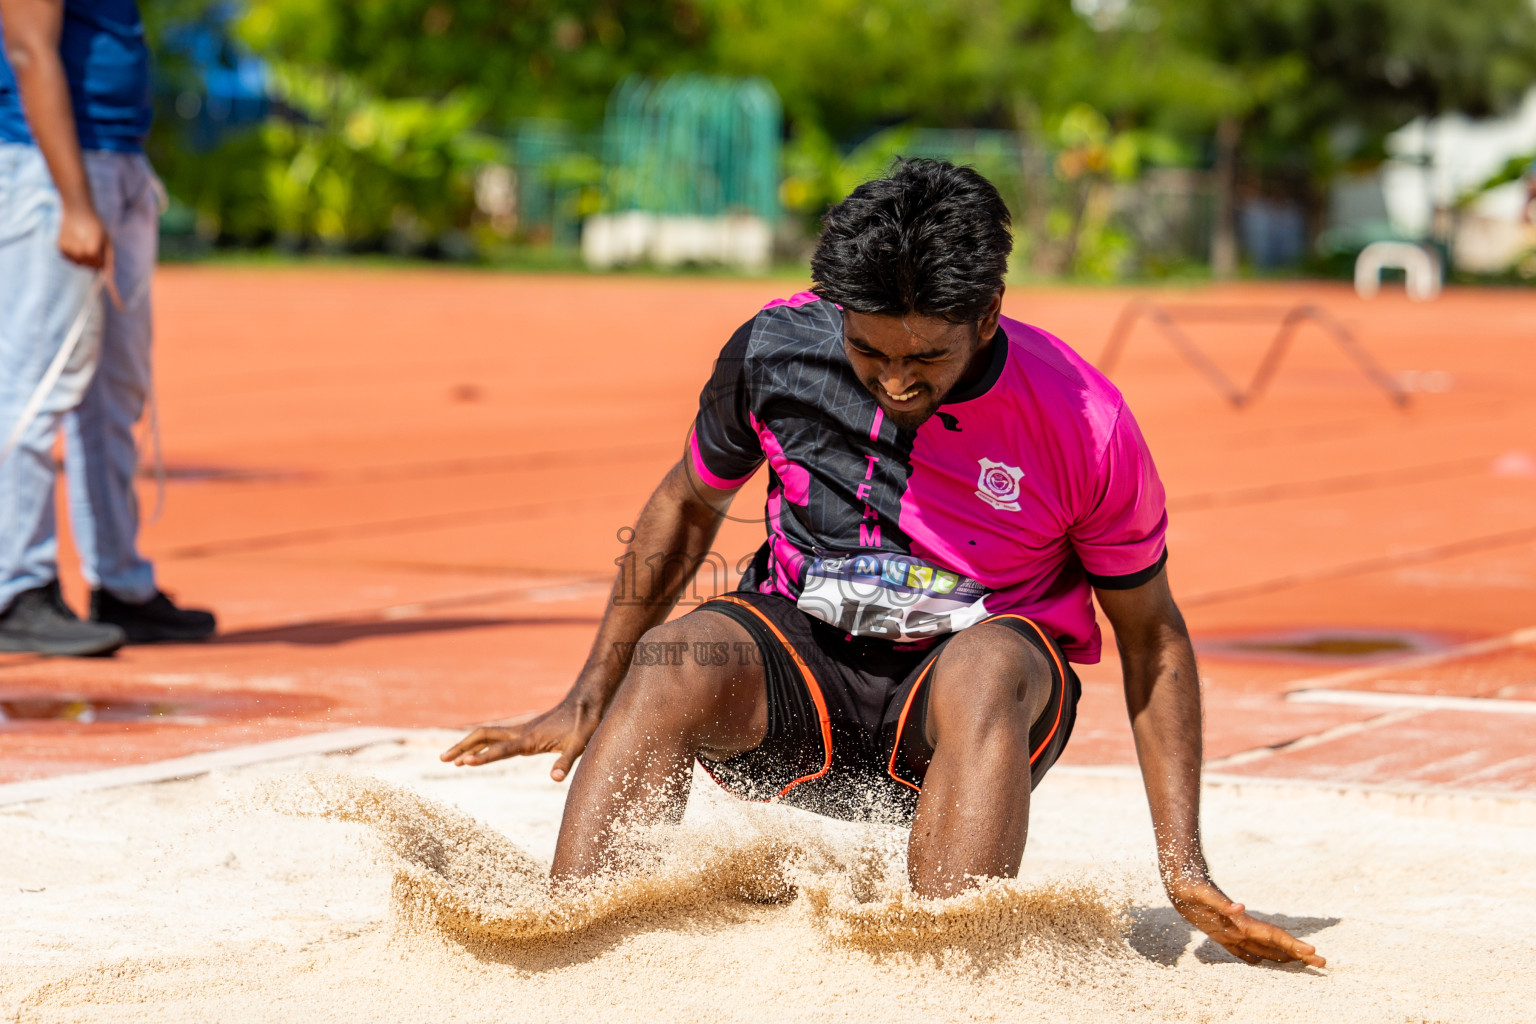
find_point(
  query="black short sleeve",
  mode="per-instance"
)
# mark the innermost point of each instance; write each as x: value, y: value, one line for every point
x: 724, y: 446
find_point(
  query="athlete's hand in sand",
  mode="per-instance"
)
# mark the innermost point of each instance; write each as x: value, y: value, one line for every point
x: 1241, y: 934
x: 565, y: 728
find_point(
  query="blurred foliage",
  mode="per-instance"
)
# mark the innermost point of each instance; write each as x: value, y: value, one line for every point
x: 390, y: 107
x: 346, y: 168
x: 1516, y: 168
x: 844, y: 64
x: 1351, y: 71
x: 359, y: 166
x: 1090, y: 156
x: 1322, y: 83
x: 522, y: 58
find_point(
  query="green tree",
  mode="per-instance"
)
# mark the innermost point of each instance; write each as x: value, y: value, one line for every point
x: 527, y: 58
x: 1294, y: 88
x: 1321, y: 83
x: 1039, y: 68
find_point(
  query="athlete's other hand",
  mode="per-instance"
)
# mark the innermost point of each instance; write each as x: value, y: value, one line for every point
x: 1240, y: 933
x: 565, y: 728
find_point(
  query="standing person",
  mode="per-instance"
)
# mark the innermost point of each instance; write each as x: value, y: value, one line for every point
x: 77, y: 199
x: 949, y: 491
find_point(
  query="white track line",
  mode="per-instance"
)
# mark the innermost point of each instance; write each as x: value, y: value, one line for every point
x: 1414, y: 791
x: 193, y: 765
x: 1331, y: 689
x: 1417, y: 701
x: 1338, y: 732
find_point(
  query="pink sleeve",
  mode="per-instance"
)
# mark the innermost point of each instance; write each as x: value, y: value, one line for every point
x: 1121, y: 535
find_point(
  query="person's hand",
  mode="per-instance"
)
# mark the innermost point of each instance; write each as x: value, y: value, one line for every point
x: 1241, y: 934
x: 567, y: 727
x: 83, y: 240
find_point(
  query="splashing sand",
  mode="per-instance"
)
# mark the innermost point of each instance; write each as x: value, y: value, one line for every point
x: 457, y: 878
x: 153, y: 903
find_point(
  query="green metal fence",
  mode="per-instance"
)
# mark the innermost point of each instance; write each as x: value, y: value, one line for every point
x: 708, y: 146
x: 699, y: 145
x: 558, y: 174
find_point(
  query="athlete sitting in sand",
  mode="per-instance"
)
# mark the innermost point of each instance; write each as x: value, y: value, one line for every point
x: 948, y: 488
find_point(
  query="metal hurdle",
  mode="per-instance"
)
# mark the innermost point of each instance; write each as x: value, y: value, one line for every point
x: 1166, y: 318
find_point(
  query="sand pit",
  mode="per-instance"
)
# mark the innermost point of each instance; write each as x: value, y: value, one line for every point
x: 384, y: 886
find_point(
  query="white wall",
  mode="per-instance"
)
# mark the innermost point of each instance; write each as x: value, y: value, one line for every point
x: 1465, y: 153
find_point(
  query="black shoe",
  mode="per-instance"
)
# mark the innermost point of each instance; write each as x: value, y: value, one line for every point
x: 39, y: 622
x: 154, y: 620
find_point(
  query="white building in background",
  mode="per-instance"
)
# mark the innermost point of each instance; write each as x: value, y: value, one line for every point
x: 1437, y: 162
x: 741, y: 241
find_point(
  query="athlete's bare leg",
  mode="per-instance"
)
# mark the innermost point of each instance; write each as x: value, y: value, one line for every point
x: 989, y: 685
x: 972, y: 819
x: 639, y: 765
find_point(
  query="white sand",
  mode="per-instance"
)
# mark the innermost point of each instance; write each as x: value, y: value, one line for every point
x: 196, y: 901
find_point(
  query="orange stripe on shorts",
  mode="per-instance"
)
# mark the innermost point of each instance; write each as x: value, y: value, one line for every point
x: 1061, y: 674
x: 810, y: 684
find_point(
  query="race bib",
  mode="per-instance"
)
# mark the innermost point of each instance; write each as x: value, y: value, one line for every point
x: 897, y: 597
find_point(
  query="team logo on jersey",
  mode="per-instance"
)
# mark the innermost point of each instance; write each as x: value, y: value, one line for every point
x: 998, y: 485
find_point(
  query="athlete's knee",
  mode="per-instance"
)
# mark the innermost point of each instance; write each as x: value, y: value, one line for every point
x: 988, y: 677
x: 682, y: 683
x: 683, y: 664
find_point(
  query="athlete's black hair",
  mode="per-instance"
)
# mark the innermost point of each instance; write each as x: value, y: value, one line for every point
x: 931, y: 239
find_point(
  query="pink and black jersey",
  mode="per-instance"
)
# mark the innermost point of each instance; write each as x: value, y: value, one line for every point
x: 1016, y: 496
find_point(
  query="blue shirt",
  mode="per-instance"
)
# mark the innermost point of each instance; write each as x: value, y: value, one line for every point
x: 107, y: 65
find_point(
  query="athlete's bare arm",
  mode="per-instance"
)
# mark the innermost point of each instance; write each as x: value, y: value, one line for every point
x: 1162, y: 694
x: 674, y: 533
x: 32, y: 31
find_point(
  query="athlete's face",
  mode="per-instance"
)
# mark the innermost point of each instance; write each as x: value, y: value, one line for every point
x: 910, y: 363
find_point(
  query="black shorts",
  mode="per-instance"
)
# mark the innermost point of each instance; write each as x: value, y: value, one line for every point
x: 845, y: 714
